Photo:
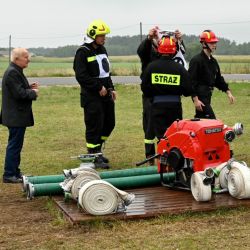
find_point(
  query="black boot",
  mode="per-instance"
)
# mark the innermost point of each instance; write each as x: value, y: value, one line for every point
x: 99, y: 160
x: 99, y: 163
x: 105, y: 159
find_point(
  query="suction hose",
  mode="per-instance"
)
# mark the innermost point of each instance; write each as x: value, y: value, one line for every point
x: 43, y: 189
x: 104, y: 175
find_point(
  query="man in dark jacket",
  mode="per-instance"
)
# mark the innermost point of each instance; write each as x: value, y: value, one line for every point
x: 147, y: 51
x: 205, y: 75
x: 16, y: 112
x: 92, y: 71
x: 165, y: 81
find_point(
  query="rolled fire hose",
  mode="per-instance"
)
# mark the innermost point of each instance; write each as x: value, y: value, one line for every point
x: 220, y: 173
x: 83, y: 166
x: 83, y: 178
x: 200, y: 191
x: 239, y: 180
x: 223, y: 177
x: 99, y: 197
x: 104, y: 175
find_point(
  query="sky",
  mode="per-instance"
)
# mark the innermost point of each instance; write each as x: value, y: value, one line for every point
x: 54, y: 23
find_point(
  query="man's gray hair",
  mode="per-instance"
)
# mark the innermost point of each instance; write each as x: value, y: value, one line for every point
x: 17, y: 52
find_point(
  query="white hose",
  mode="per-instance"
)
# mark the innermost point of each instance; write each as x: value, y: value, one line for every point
x: 99, y: 197
x: 82, y: 178
x: 83, y: 166
x: 239, y: 180
x: 223, y: 177
x: 200, y: 191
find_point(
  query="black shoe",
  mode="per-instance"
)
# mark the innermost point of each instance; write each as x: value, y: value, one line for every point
x: 105, y: 159
x: 19, y: 175
x: 99, y: 163
x: 12, y: 179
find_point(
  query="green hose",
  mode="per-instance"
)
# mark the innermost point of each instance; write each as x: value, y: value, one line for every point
x: 140, y: 180
x: 104, y: 175
x: 129, y: 172
x: 44, y: 189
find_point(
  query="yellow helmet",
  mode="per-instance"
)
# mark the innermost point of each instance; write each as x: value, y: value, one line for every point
x: 97, y: 27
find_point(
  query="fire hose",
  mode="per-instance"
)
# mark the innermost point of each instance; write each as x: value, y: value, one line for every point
x: 83, y: 178
x: 239, y: 180
x: 95, y: 196
x: 200, y: 191
x: 149, y: 170
x: 231, y: 176
x: 99, y: 197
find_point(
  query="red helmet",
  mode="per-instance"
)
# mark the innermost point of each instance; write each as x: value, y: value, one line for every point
x: 167, y: 45
x: 208, y: 36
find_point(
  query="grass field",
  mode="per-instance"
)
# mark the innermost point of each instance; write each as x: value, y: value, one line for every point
x: 120, y: 65
x: 59, y: 133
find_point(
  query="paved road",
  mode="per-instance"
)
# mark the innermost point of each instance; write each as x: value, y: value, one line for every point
x: 47, y: 81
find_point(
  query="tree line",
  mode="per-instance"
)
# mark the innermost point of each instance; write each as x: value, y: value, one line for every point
x: 127, y: 45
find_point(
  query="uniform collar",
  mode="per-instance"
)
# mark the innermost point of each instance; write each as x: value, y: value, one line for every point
x: 168, y: 58
x: 203, y: 54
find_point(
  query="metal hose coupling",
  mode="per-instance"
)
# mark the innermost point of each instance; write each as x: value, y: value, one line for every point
x: 209, y: 175
x: 238, y: 128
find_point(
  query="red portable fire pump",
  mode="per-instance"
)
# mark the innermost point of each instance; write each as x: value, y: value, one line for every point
x: 198, y: 152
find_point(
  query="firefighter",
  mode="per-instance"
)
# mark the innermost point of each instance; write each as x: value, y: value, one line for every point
x: 205, y: 75
x: 165, y: 81
x: 92, y: 71
x: 147, y: 51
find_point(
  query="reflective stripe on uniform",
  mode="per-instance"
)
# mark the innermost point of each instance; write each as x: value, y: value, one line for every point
x: 104, y: 138
x: 91, y: 58
x: 146, y: 141
x: 166, y: 79
x: 90, y: 145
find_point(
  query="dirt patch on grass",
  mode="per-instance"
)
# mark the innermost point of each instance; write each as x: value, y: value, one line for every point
x: 38, y: 224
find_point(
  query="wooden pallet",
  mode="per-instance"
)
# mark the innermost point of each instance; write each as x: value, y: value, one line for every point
x: 151, y: 202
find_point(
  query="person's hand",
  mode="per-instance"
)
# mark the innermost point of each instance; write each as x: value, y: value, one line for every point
x: 153, y: 33
x: 103, y: 91
x: 36, y: 90
x: 34, y: 85
x: 114, y: 95
x: 198, y: 104
x: 230, y: 97
x: 178, y: 35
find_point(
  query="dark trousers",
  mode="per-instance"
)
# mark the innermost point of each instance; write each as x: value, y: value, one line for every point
x: 99, y: 117
x: 13, y: 152
x: 147, y: 123
x: 207, y: 112
x: 164, y: 114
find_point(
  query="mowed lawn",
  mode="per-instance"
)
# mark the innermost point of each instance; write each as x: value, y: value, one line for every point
x: 58, y: 134
x: 120, y: 65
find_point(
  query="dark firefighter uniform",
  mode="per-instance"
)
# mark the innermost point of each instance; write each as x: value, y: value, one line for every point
x: 165, y: 81
x: 205, y: 75
x: 148, y: 53
x: 92, y: 71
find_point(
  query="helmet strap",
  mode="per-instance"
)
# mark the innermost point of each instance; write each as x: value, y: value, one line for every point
x: 205, y: 46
